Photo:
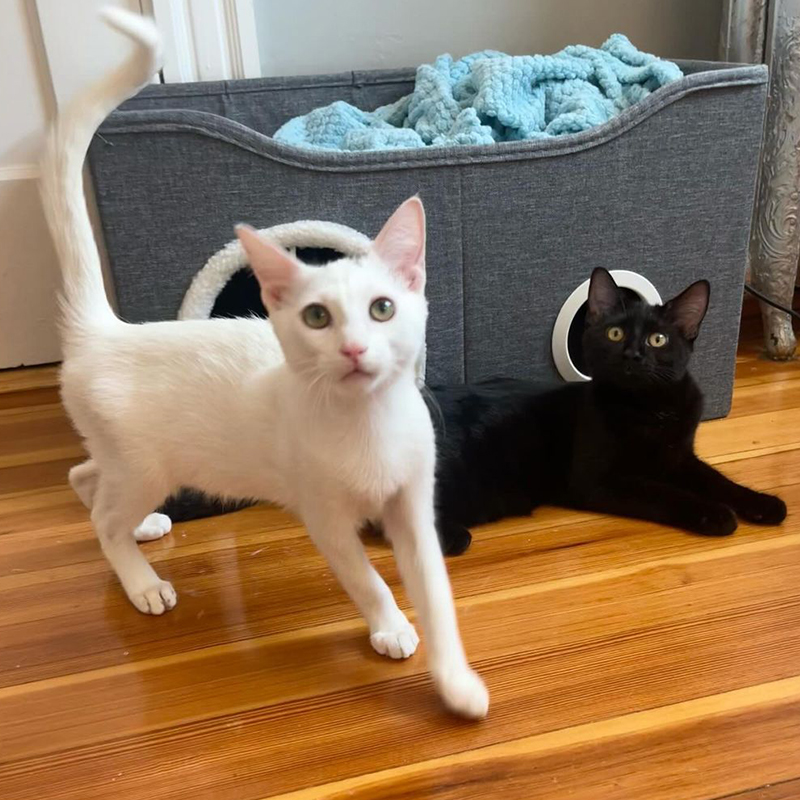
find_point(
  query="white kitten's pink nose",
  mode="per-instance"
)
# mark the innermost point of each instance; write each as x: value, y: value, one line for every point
x: 353, y: 351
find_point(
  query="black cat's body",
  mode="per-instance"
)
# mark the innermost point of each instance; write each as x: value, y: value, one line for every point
x: 503, y: 448
x: 621, y: 444
x: 508, y: 446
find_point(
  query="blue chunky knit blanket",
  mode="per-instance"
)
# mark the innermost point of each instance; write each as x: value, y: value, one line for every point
x: 491, y: 97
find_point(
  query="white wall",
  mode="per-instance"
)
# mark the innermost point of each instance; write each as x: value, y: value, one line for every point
x: 49, y: 48
x: 28, y: 270
x: 298, y: 37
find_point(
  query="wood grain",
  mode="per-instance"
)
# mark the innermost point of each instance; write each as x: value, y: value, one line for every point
x: 673, y: 754
x: 786, y: 790
x: 625, y: 660
x: 28, y: 378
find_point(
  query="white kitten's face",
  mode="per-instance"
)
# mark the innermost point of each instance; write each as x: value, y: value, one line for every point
x: 352, y: 324
x: 356, y: 324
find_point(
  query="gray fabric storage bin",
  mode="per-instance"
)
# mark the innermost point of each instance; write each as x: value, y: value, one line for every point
x: 664, y: 190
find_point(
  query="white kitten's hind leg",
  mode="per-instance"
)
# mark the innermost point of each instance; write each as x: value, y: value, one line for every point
x: 153, y: 526
x: 84, y: 478
x: 117, y: 507
x: 391, y: 634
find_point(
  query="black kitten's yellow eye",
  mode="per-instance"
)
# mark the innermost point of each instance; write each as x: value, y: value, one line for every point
x: 316, y: 316
x: 382, y: 309
x: 615, y: 333
x: 657, y: 339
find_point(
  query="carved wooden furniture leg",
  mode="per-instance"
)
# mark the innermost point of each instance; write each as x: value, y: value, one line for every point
x: 775, y: 242
x: 775, y: 246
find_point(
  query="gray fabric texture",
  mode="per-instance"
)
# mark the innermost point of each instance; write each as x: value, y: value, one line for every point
x: 665, y: 189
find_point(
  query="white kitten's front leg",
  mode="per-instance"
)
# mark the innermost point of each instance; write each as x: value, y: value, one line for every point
x: 336, y: 537
x: 117, y: 505
x: 409, y: 524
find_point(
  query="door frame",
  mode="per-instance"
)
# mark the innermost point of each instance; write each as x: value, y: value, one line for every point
x: 206, y: 40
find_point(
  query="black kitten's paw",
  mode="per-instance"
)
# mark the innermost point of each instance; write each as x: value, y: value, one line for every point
x: 716, y: 520
x: 455, y: 538
x: 763, y: 509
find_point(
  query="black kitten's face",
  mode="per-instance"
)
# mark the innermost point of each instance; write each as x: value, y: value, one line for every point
x: 635, y: 346
x: 632, y: 344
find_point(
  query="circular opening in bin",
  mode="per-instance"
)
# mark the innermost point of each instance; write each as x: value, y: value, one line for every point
x: 568, y: 330
x: 241, y: 295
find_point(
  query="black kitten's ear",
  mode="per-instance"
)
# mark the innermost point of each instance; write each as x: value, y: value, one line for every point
x: 689, y: 307
x: 604, y: 295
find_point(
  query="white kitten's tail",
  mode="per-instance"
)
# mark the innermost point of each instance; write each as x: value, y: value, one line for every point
x: 84, y: 299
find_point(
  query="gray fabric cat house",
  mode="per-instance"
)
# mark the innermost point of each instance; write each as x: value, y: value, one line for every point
x: 663, y: 193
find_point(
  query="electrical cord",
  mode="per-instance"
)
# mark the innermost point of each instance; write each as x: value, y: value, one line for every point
x: 771, y: 302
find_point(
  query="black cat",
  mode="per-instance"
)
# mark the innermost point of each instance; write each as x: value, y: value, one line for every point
x: 621, y: 444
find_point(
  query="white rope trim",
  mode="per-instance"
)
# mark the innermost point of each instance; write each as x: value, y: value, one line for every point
x: 198, y: 302
x: 212, y: 278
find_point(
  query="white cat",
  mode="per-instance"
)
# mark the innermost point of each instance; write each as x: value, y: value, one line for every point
x: 338, y: 432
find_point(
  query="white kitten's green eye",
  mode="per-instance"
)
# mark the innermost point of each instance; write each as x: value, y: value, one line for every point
x: 382, y: 309
x: 615, y: 333
x: 316, y: 316
x: 657, y: 339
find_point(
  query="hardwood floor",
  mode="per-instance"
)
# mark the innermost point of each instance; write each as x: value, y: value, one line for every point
x: 626, y: 661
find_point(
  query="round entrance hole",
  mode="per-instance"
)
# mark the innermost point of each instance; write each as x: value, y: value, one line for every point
x: 568, y: 329
x: 241, y: 295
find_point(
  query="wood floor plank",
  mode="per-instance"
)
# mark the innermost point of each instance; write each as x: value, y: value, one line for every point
x: 785, y: 790
x: 36, y: 475
x: 752, y: 367
x: 29, y: 397
x: 26, y: 378
x: 44, y: 427
x: 718, y: 440
x: 770, y: 472
x: 732, y: 739
x: 761, y: 398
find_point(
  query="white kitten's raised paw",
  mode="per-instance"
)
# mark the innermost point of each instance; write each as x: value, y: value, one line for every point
x: 464, y: 693
x: 153, y: 526
x: 401, y: 643
x: 155, y: 599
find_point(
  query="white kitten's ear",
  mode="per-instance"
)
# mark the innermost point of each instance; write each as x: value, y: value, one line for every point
x: 274, y: 268
x: 401, y: 243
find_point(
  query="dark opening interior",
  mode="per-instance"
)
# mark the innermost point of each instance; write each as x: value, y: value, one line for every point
x: 241, y: 297
x: 575, y: 335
